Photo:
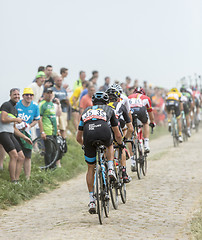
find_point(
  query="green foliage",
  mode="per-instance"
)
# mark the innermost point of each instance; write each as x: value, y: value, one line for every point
x: 196, y: 225
x: 41, y: 181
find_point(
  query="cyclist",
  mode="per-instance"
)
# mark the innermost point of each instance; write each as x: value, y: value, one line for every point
x: 94, y: 126
x: 197, y: 98
x: 124, y: 119
x: 187, y: 101
x: 173, y: 99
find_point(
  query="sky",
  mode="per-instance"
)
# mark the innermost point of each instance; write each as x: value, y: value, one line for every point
x: 159, y: 41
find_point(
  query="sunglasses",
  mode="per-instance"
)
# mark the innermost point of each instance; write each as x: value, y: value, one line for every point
x: 28, y: 94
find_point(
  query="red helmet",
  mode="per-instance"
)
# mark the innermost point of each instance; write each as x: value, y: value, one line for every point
x: 139, y: 90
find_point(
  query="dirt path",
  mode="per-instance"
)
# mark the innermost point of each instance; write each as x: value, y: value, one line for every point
x: 158, y: 207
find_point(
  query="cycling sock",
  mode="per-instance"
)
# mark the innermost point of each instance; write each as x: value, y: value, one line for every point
x: 132, y: 160
x: 180, y: 133
x: 92, y: 199
x: 146, y: 142
x: 110, y: 165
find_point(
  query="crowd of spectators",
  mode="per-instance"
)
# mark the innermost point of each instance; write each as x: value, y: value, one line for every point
x: 50, y: 91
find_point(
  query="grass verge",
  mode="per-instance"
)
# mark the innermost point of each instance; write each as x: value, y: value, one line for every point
x: 196, y: 225
x: 41, y: 181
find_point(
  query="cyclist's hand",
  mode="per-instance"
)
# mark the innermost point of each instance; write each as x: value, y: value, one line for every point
x: 43, y: 135
x: 18, y: 120
x: 122, y: 145
x: 152, y: 125
x: 28, y: 140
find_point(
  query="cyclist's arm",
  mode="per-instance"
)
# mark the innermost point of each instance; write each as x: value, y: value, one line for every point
x: 79, y: 137
x: 151, y: 116
x: 19, y: 134
x: 117, y: 134
x: 6, y: 119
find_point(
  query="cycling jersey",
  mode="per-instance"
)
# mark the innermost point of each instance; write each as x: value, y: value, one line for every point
x: 140, y: 100
x: 28, y: 114
x: 8, y: 107
x: 120, y: 111
x: 98, y: 112
x: 125, y: 101
x: 174, y: 96
x: 47, y: 111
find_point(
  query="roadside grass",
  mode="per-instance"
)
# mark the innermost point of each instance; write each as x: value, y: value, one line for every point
x: 196, y: 225
x: 42, y: 181
x: 158, y: 132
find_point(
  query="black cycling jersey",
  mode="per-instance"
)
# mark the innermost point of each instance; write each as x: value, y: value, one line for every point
x: 98, y: 112
x: 120, y: 111
x: 8, y: 107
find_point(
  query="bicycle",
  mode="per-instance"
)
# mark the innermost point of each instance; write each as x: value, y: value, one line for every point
x: 137, y: 148
x: 45, y: 152
x: 174, y: 127
x: 117, y: 187
x: 101, y: 182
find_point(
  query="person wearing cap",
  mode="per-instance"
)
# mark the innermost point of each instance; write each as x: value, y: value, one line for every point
x: 38, y: 87
x: 8, y: 121
x: 48, y: 121
x: 28, y: 111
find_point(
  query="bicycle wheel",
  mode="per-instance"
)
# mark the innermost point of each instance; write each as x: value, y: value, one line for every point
x: 114, y: 191
x: 106, y: 194
x: 174, y: 134
x: 144, y: 166
x: 98, y: 192
x: 45, y: 152
x: 122, y: 188
x: 138, y: 158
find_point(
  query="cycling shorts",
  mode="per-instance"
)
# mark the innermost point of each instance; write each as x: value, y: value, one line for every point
x: 196, y: 102
x: 186, y: 108
x: 95, y: 130
x: 173, y: 104
x: 9, y: 142
x: 141, y: 112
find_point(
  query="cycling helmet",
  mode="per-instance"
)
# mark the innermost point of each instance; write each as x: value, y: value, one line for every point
x: 113, y: 93
x: 118, y: 87
x: 183, y: 89
x: 139, y: 90
x: 100, y: 97
x: 173, y: 90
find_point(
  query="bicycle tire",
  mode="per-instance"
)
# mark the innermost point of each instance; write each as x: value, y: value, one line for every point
x: 114, y: 190
x: 138, y: 159
x: 174, y: 134
x: 98, y: 193
x: 106, y: 196
x: 39, y: 154
x: 144, y: 166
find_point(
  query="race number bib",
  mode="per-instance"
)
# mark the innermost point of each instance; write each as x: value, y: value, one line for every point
x: 135, y: 102
x: 94, y: 114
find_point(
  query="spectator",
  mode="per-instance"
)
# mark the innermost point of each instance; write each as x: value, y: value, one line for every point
x: 8, y: 119
x: 74, y: 101
x: 94, y: 82
x: 86, y: 100
x: 78, y: 83
x: 49, y: 82
x: 37, y: 86
x: 28, y: 111
x: 94, y: 74
x: 40, y: 69
x: 2, y: 156
x: 64, y: 73
x: 61, y: 94
x: 48, y: 121
x: 106, y: 85
x: 85, y: 90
